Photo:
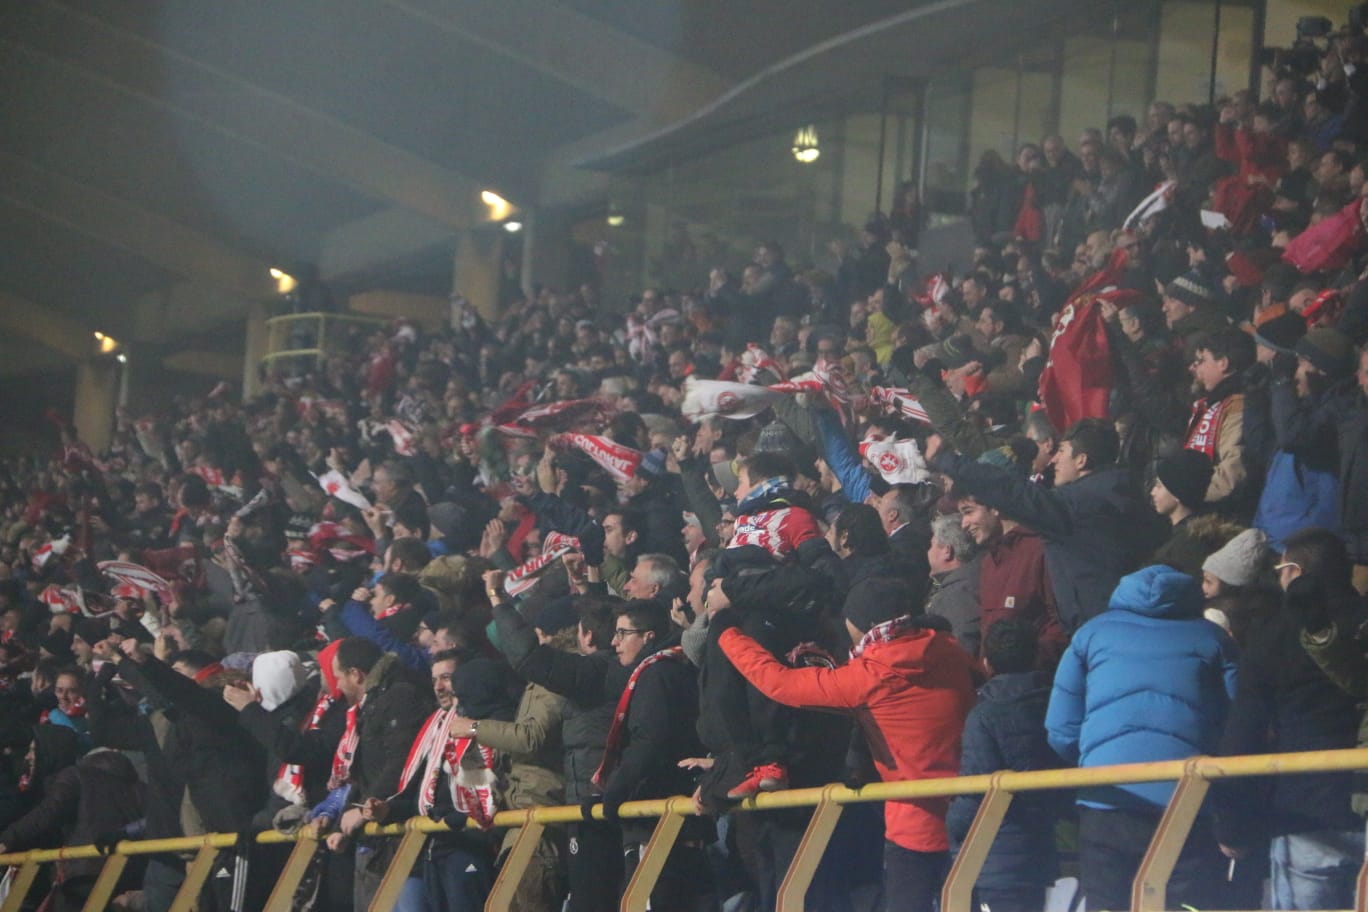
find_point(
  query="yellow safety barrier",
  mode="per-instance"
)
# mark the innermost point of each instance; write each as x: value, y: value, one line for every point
x: 1148, y: 894
x: 320, y: 328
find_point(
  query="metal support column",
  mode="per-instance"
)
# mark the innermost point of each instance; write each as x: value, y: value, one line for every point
x: 653, y: 856
x: 1150, y: 890
x: 810, y: 850
x: 958, y: 893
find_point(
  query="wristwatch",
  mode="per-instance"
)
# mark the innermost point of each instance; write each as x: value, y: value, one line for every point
x: 474, y: 728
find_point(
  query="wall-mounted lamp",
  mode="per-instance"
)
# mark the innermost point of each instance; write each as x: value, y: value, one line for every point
x: 805, y: 148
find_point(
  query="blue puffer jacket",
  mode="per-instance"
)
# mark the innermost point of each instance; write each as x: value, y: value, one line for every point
x: 1005, y: 731
x: 1148, y: 679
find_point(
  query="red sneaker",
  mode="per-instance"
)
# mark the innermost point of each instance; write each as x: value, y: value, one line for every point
x: 771, y: 777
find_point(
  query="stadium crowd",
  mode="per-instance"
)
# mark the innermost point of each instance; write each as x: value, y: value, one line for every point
x: 1102, y: 498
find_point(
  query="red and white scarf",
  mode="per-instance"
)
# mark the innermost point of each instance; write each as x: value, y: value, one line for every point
x: 289, y: 781
x: 617, y: 732
x: 886, y: 632
x: 619, y: 461
x: 346, y: 748
x: 555, y: 546
x: 1205, y: 427
x: 474, y: 792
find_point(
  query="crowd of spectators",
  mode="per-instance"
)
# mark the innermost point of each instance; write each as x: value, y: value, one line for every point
x: 1102, y: 498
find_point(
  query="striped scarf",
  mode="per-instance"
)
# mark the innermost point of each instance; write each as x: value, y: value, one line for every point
x: 886, y: 632
x: 346, y: 748
x: 617, y: 732
x: 474, y: 792
x: 289, y: 781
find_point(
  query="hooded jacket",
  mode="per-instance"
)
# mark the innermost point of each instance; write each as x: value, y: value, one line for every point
x: 910, y: 696
x: 1149, y: 679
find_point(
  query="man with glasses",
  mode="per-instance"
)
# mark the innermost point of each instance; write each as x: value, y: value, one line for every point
x: 653, y: 729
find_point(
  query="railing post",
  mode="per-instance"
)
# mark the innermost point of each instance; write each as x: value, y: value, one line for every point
x: 19, y: 887
x: 103, y: 891
x: 1149, y: 893
x: 958, y: 893
x: 282, y: 894
x: 653, y: 856
x: 793, y: 891
x: 400, y: 865
x: 188, y: 895
x: 515, y: 865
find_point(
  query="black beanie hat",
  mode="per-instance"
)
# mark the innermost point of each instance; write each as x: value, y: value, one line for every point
x: 1282, y: 332
x: 1187, y: 475
x: 873, y: 601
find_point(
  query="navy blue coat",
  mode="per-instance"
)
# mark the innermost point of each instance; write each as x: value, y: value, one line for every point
x: 1149, y: 679
x: 1006, y: 731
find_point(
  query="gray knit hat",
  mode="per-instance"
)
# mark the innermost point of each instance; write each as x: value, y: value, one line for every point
x: 1238, y: 563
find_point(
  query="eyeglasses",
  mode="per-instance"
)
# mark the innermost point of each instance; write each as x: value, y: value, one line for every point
x: 1279, y: 568
x: 622, y: 633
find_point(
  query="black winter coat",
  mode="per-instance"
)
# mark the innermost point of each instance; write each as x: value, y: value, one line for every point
x: 1006, y: 731
x: 396, y: 707
x: 660, y: 732
x: 1353, y: 469
x: 99, y: 794
x: 1285, y: 703
x: 217, y: 761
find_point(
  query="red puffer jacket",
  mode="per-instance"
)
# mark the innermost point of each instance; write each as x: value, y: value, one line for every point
x: 910, y: 695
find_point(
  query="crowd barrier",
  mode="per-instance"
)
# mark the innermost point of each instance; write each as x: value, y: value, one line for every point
x: 1193, y: 777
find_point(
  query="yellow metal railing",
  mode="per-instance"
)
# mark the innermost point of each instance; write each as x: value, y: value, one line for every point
x: 315, y: 328
x: 1148, y: 893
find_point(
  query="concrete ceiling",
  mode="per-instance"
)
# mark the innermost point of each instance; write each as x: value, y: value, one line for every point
x: 152, y: 144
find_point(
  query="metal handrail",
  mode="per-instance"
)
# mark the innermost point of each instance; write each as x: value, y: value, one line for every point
x: 1193, y: 775
x: 277, y: 332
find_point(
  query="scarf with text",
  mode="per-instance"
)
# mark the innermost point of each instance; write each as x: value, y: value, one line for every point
x: 473, y: 791
x: 617, y: 732
x: 1205, y: 426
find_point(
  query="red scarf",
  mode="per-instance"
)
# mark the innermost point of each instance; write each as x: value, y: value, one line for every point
x: 391, y: 611
x: 617, y: 732
x: 474, y: 792
x: 289, y: 781
x: 1205, y: 427
x: 346, y: 748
